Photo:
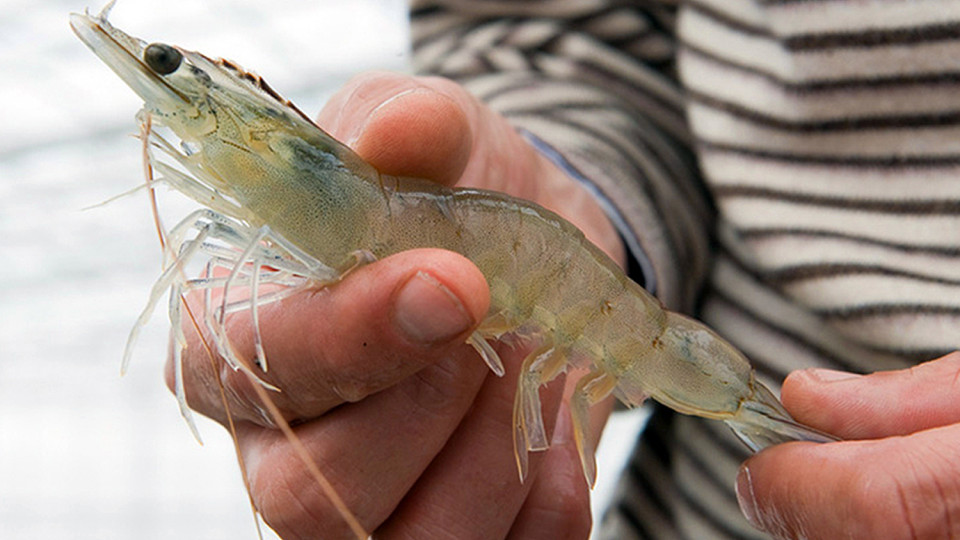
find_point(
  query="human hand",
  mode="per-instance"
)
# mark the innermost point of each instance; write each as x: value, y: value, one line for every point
x: 897, y: 477
x: 404, y: 419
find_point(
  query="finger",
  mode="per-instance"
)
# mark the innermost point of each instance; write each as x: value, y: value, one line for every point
x: 372, y: 451
x: 430, y: 127
x: 471, y: 489
x: 900, y: 487
x: 558, y: 506
x: 386, y: 321
x: 402, y: 125
x: 877, y: 405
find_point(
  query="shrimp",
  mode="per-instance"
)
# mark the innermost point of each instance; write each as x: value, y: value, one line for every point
x: 287, y: 205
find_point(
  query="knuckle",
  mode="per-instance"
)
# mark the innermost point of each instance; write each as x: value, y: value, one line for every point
x: 909, y: 498
x: 920, y: 511
x: 443, y: 383
x: 292, y: 504
x: 873, y: 507
x: 928, y: 493
x: 352, y: 389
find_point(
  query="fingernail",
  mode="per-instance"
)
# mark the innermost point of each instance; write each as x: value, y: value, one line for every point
x: 830, y: 375
x: 747, y: 498
x: 427, y: 312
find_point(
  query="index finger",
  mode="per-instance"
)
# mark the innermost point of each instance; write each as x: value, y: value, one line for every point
x: 881, y: 404
x: 404, y: 126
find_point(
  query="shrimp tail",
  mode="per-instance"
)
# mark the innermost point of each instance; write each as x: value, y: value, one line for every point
x: 762, y: 421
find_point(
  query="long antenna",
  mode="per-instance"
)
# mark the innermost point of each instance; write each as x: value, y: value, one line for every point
x: 145, y: 127
x: 301, y: 451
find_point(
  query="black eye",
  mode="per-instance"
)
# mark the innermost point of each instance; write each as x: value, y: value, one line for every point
x: 162, y: 58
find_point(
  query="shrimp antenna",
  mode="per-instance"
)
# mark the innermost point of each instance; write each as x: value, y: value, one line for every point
x: 145, y: 127
x: 114, y: 198
x: 298, y: 447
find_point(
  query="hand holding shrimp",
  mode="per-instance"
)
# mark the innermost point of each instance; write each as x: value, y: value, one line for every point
x: 898, y: 478
x: 356, y: 322
x: 293, y: 210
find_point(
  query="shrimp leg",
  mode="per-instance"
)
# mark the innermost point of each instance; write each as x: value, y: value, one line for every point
x: 590, y: 390
x: 487, y: 353
x: 538, y: 368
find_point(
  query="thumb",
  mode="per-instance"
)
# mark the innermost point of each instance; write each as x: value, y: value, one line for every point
x: 388, y: 321
x: 906, y: 485
x: 899, y: 487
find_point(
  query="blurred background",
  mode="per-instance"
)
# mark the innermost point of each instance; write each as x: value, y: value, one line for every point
x: 84, y: 453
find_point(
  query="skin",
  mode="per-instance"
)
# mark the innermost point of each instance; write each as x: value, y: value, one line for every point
x: 898, y: 478
x: 415, y: 434
x: 408, y: 424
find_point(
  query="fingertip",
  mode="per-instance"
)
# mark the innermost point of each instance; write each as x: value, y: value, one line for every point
x: 344, y: 113
x: 822, y: 398
x: 455, y: 272
x: 404, y: 126
x: 400, y: 314
x: 877, y: 405
x: 441, y: 302
x: 798, y: 391
x: 806, y: 380
x: 419, y: 133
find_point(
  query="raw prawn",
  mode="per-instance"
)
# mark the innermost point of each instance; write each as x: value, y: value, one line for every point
x: 288, y: 205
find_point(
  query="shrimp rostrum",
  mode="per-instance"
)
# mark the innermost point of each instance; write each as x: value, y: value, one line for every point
x: 288, y: 205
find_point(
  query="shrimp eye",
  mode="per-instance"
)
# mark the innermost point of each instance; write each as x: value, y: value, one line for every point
x: 162, y: 58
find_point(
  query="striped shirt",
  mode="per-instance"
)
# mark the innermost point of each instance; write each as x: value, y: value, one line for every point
x: 786, y: 170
